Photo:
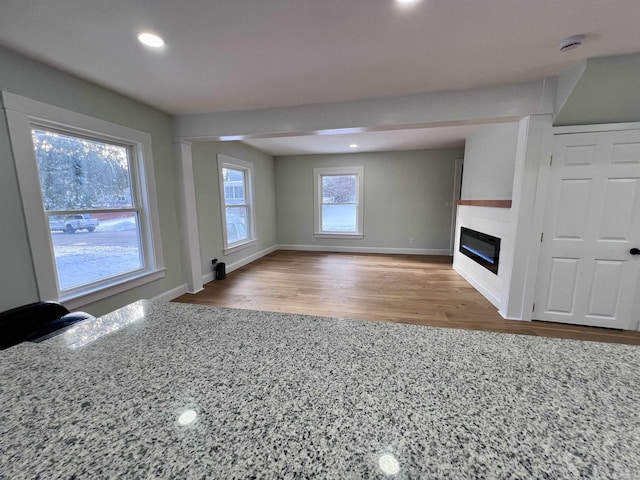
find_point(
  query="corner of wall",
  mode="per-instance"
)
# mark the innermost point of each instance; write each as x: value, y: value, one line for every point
x: 567, y: 82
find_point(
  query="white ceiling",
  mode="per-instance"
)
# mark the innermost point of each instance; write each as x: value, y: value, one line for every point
x: 378, y: 141
x: 246, y: 54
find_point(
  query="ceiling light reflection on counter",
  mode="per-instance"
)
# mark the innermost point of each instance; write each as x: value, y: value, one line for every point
x: 388, y: 464
x: 187, y: 417
x: 353, y: 145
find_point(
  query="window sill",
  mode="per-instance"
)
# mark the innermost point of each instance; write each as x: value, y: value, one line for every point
x: 240, y: 246
x: 98, y: 293
x: 352, y: 236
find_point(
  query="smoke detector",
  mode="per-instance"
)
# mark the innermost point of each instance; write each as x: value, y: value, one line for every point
x: 570, y: 43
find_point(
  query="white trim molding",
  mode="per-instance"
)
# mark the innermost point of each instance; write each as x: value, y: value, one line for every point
x: 603, y: 127
x: 230, y: 163
x: 478, y: 285
x: 382, y: 250
x: 209, y: 277
x: 323, y: 248
x: 22, y: 114
x: 171, y: 294
x: 318, y: 174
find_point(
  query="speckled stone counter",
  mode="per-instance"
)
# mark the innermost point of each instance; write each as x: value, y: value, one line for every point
x: 186, y: 391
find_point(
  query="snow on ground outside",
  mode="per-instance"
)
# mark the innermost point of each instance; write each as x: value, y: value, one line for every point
x: 85, y: 257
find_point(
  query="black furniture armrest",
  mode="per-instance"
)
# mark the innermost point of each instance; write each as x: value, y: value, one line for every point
x: 49, y: 330
x: 20, y: 323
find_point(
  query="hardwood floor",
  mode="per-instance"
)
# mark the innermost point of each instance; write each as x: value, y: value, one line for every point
x: 422, y: 290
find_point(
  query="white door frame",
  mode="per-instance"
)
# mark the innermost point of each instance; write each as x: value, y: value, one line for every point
x: 457, y: 183
x: 543, y: 183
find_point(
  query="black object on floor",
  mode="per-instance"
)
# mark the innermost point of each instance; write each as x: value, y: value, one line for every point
x: 221, y: 271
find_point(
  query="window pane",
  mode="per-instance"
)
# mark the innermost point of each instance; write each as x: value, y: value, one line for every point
x: 98, y: 249
x: 234, y: 193
x: 237, y: 230
x: 80, y: 174
x: 339, y: 218
x: 338, y: 188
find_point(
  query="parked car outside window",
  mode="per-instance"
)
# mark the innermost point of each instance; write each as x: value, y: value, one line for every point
x: 72, y: 223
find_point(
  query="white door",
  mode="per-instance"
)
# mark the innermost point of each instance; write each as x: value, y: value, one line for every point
x: 588, y: 273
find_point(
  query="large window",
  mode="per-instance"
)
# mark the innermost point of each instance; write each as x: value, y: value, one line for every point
x: 236, y: 198
x: 338, y: 196
x: 86, y: 190
x: 92, y: 228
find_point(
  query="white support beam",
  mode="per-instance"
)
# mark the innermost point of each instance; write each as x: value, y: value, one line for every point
x: 535, y: 139
x: 456, y: 107
x: 188, y: 217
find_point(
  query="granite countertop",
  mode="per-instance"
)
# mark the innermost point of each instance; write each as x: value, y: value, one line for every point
x: 187, y: 391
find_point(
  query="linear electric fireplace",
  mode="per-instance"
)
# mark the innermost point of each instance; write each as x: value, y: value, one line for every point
x: 481, y: 248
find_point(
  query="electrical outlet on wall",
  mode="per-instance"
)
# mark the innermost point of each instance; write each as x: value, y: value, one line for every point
x: 411, y: 241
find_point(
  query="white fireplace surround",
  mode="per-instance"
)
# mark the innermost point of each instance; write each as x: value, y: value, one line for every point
x: 493, y: 221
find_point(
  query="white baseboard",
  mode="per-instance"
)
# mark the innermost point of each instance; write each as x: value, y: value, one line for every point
x: 478, y: 286
x: 171, y: 294
x: 251, y: 258
x: 513, y: 318
x: 394, y: 251
x: 209, y: 277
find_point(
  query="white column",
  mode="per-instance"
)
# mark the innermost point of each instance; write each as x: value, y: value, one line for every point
x: 188, y: 217
x: 535, y: 141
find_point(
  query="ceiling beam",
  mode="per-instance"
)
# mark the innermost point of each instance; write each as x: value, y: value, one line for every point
x: 455, y: 107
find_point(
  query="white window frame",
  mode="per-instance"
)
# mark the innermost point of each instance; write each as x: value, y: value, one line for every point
x: 225, y: 161
x: 318, y: 173
x: 23, y: 114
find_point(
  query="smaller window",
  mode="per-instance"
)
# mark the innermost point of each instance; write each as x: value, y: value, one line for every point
x: 236, y: 199
x: 338, y: 198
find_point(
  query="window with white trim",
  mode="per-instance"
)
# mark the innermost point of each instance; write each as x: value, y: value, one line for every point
x: 89, y: 201
x: 236, y: 200
x: 338, y: 202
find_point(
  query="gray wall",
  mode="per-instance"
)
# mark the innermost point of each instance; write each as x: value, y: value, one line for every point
x: 205, y: 170
x: 607, y: 91
x: 406, y: 195
x: 31, y: 79
x: 489, y: 162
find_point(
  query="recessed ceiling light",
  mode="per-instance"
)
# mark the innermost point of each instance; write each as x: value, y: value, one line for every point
x: 151, y: 40
x: 406, y: 2
x: 353, y: 145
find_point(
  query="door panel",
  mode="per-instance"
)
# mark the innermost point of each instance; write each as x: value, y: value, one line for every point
x: 571, y: 222
x: 621, y: 196
x: 578, y: 155
x: 626, y: 152
x: 605, y: 287
x: 586, y: 274
x: 562, y: 287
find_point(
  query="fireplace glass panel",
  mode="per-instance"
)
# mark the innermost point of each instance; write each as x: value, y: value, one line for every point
x: 482, y: 248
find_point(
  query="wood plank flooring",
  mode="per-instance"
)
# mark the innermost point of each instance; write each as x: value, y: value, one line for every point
x: 422, y: 290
